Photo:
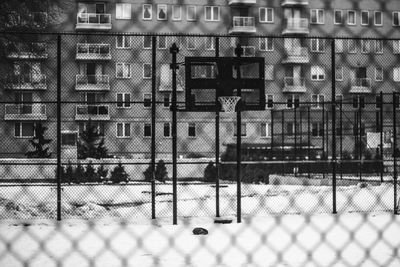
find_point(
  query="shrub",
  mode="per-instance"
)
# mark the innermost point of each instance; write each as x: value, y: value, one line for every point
x: 63, y: 174
x: 69, y: 173
x: 90, y: 173
x: 119, y: 174
x: 161, y: 173
x: 101, y: 173
x: 210, y: 172
x: 148, y: 174
x: 91, y: 144
x: 79, y: 174
x: 39, y: 142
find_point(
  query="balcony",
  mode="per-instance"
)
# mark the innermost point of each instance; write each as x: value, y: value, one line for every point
x: 93, y: 112
x: 26, y: 82
x: 296, y: 55
x: 296, y: 26
x: 294, y: 85
x: 243, y: 25
x: 93, y: 52
x: 29, y: 112
x: 85, y: 82
x: 289, y: 3
x: 360, y: 86
x: 93, y: 21
x: 242, y: 2
x: 26, y: 51
x: 248, y: 51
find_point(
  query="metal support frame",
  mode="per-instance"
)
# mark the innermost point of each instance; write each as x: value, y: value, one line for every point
x: 333, y: 110
x: 59, y: 173
x: 239, y: 53
x: 153, y: 126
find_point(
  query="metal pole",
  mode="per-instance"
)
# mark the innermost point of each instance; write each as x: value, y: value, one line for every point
x: 359, y: 140
x: 174, y: 50
x: 153, y: 127
x: 295, y: 140
x: 239, y: 52
x: 324, y: 155
x: 283, y: 135
x: 59, y: 173
x: 333, y: 128
x: 395, y: 152
x: 308, y: 138
x: 217, y: 125
x: 341, y: 138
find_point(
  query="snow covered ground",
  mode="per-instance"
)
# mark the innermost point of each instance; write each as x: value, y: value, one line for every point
x: 283, y: 225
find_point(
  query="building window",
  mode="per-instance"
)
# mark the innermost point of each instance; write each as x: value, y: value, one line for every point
x: 317, y: 16
x: 270, y: 101
x: 147, y: 12
x: 396, y: 18
x: 24, y: 129
x: 191, y: 129
x: 291, y: 128
x: 162, y: 42
x: 123, y: 129
x: 123, y: 100
x: 123, y: 41
x: 123, y: 70
x: 338, y: 17
x: 147, y: 100
x: 269, y: 72
x: 317, y: 73
x: 191, y: 13
x: 191, y: 43
x: 266, y: 44
x: 396, y: 74
x: 317, y: 45
x: 162, y: 13
x: 365, y: 46
x: 339, y: 73
x: 378, y: 47
x: 147, y: 130
x: 147, y: 43
x: 265, y: 130
x: 266, y: 15
x: 358, y: 102
x: 317, y: 129
x: 339, y: 45
x: 293, y: 101
x: 176, y: 13
x: 147, y: 71
x: 123, y: 11
x: 351, y: 17
x: 167, y: 129
x: 317, y: 101
x: 212, y: 13
x: 98, y: 126
x: 378, y: 18
x: 396, y: 46
x: 167, y: 101
x: 378, y: 74
x: 210, y: 43
x: 364, y: 17
x: 351, y: 46
x: 243, y: 130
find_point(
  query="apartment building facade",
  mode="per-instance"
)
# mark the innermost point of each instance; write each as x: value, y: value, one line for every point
x: 107, y: 77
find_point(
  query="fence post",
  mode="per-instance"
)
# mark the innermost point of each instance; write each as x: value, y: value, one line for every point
x: 239, y: 52
x: 341, y: 137
x: 59, y: 127
x: 395, y: 151
x: 153, y: 126
x: 381, y: 135
x: 174, y: 50
x: 333, y: 99
x: 217, y: 125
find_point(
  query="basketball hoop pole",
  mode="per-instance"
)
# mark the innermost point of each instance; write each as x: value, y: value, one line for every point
x: 239, y: 52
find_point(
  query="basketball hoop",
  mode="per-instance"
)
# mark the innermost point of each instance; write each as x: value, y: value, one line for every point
x: 229, y: 103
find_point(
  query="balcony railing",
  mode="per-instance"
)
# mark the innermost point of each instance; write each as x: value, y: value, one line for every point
x: 93, y: 52
x: 243, y: 25
x: 85, y: 82
x: 93, y: 21
x: 296, y: 55
x: 296, y: 26
x: 31, y: 81
x: 33, y: 111
x: 242, y: 2
x: 26, y: 50
x: 361, y: 86
x: 94, y: 112
x: 294, y: 3
x: 294, y: 85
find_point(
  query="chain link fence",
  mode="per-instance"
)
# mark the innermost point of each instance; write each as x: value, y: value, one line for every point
x: 87, y: 139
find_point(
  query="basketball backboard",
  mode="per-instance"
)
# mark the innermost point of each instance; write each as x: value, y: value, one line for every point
x: 207, y: 78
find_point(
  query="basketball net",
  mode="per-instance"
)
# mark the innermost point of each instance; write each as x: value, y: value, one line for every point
x: 229, y: 103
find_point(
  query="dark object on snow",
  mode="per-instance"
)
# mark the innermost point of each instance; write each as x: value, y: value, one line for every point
x: 200, y: 231
x: 222, y: 221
